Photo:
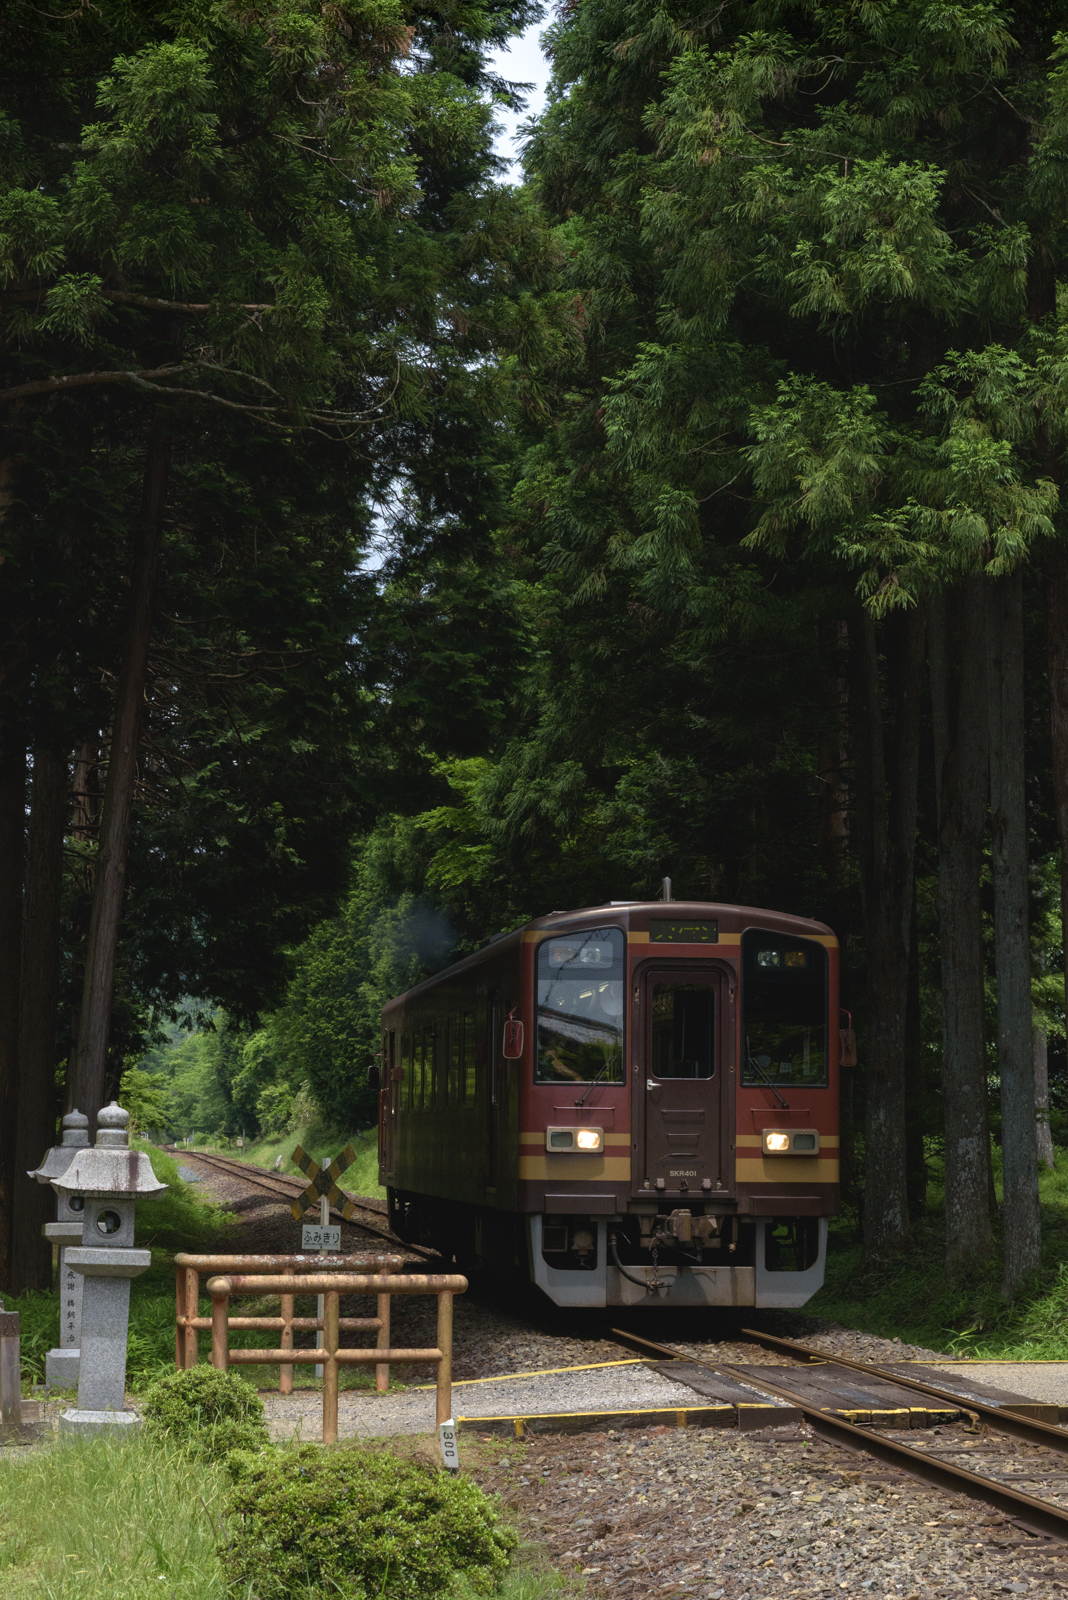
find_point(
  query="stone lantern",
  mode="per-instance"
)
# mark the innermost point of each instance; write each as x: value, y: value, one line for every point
x: 110, y: 1178
x: 61, y: 1365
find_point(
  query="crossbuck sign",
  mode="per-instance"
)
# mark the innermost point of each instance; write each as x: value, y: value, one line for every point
x: 323, y: 1183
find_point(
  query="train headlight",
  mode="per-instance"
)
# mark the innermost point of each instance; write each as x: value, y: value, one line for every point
x: 791, y: 1142
x: 577, y: 1141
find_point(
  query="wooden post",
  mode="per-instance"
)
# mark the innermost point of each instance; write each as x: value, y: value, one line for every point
x: 382, y: 1343
x: 192, y: 1308
x: 285, y: 1373
x: 330, y: 1344
x: 179, y: 1311
x: 220, y: 1333
x: 444, y: 1383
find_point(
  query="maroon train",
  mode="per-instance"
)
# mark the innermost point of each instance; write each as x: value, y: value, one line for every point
x: 635, y: 1103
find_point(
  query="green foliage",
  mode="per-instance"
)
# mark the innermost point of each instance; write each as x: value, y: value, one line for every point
x: 209, y: 1412
x: 146, y: 1099
x: 361, y: 1524
x: 911, y: 1296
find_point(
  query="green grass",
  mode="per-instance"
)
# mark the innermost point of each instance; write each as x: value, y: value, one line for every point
x: 911, y: 1297
x: 131, y: 1519
x: 84, y: 1519
x: 318, y: 1139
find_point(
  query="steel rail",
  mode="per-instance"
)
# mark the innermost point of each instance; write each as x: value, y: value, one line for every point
x: 1041, y: 1515
x: 247, y: 1168
x: 1029, y: 1429
x: 289, y: 1188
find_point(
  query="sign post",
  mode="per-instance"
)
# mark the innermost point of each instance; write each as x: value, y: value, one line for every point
x: 323, y: 1191
x: 450, y: 1456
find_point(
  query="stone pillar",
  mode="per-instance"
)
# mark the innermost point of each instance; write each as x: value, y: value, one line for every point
x: 61, y: 1363
x: 10, y: 1383
x: 110, y: 1178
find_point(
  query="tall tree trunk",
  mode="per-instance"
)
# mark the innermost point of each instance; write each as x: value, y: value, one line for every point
x: 12, y: 828
x: 832, y: 824
x: 38, y: 1099
x: 915, y: 1095
x: 1012, y: 945
x: 960, y: 730
x: 887, y: 774
x: 1043, y: 1131
x: 1057, y: 677
x: 85, y: 1086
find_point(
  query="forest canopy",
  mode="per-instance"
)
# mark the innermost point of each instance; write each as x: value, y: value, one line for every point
x: 393, y: 553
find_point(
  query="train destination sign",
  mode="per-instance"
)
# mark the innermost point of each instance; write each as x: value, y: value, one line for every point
x: 663, y: 932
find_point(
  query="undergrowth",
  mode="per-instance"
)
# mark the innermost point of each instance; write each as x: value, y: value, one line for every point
x: 910, y: 1295
x: 140, y: 1519
x: 318, y: 1139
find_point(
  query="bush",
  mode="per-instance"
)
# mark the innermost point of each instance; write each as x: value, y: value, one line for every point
x: 211, y: 1412
x: 357, y: 1524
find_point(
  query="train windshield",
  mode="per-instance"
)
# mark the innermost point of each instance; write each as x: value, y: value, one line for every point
x: 581, y: 984
x: 784, y: 1010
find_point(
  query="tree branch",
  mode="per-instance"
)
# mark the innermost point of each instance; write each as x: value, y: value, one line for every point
x: 150, y: 301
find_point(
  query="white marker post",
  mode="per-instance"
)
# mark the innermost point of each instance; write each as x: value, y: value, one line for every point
x: 450, y: 1456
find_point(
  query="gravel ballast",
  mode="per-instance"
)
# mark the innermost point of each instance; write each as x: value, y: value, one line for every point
x: 712, y: 1514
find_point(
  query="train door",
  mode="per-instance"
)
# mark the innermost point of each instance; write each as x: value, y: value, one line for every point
x: 685, y: 1094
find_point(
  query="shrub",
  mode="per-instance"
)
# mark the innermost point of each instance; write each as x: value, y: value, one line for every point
x: 356, y: 1524
x: 212, y: 1412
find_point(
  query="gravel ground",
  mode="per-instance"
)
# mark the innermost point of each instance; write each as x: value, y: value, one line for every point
x: 714, y: 1513
x: 365, y: 1414
x: 1043, y: 1380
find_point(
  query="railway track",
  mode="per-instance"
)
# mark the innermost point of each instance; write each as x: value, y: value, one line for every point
x: 1017, y: 1449
x: 286, y: 1188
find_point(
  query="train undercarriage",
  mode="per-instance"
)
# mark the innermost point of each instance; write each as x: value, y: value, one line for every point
x: 648, y: 1257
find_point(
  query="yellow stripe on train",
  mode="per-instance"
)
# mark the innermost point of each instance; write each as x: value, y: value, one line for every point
x: 786, y: 1170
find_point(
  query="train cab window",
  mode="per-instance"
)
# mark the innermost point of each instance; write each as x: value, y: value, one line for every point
x: 581, y: 988
x: 469, y: 1058
x: 683, y: 1043
x: 784, y: 1010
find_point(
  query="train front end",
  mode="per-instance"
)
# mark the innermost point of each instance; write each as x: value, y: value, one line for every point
x: 678, y: 1105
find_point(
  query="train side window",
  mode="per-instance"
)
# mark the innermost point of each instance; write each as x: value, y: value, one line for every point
x: 493, y: 1011
x: 454, y: 1095
x: 439, y: 1040
x: 405, y: 1096
x: 428, y: 1069
x: 417, y: 1070
x: 469, y: 1057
